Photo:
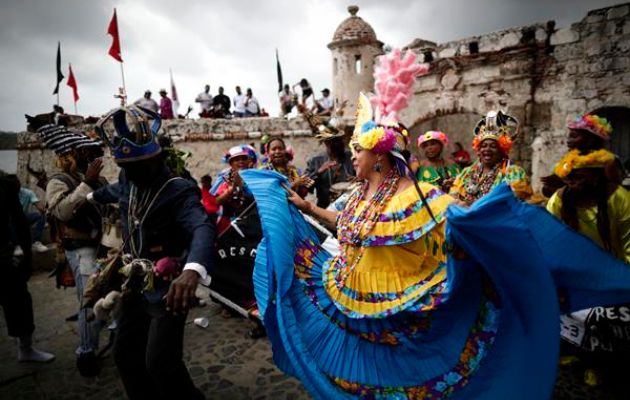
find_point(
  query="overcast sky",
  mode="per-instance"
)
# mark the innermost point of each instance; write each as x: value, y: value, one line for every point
x: 219, y: 42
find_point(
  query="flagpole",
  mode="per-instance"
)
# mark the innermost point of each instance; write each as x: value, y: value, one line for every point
x: 122, y: 73
x: 75, y: 109
x: 122, y: 69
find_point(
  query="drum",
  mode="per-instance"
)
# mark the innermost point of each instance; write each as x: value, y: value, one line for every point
x: 232, y: 283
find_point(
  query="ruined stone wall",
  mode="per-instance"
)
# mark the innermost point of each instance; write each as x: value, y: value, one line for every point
x: 542, y: 75
x: 205, y: 139
x: 590, y: 71
x: 472, y: 76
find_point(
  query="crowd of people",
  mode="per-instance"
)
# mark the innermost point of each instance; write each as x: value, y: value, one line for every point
x: 441, y: 280
x: 289, y: 99
x: 242, y: 105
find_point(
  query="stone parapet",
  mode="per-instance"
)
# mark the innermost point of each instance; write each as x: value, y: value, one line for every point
x: 205, y: 139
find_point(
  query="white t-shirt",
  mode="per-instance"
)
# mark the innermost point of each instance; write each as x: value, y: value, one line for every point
x: 205, y: 101
x: 326, y: 103
x: 252, y: 105
x: 239, y: 103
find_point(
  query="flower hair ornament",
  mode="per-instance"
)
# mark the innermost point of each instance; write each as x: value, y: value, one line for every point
x: 433, y: 135
x: 592, y: 123
x: 573, y: 160
x: 377, y: 127
x: 499, y: 126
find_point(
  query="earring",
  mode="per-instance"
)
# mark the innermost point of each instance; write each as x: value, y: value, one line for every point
x: 378, y: 167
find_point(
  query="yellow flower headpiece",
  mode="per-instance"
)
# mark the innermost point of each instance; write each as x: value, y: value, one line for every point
x: 573, y: 160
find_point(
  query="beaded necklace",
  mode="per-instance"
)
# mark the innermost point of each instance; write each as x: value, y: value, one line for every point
x: 479, y: 184
x: 349, y: 227
x: 349, y: 231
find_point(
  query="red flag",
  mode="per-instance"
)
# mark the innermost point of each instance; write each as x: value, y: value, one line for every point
x: 73, y: 84
x: 114, y: 50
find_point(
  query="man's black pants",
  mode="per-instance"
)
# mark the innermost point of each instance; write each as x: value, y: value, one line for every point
x: 15, y: 300
x: 148, y: 352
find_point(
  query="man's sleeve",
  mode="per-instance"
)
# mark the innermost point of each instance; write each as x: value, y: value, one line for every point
x: 311, y: 167
x: 192, y: 217
x: 63, y: 204
x: 107, y: 194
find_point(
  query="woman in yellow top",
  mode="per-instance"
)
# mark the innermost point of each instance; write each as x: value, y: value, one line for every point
x: 379, y: 231
x: 592, y: 204
x: 598, y: 207
x: 388, y: 316
x: 493, y: 141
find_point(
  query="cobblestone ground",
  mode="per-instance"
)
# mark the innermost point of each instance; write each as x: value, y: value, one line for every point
x: 223, y: 361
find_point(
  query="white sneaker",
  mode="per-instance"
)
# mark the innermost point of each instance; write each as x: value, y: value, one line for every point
x: 34, y: 355
x: 39, y: 247
x: 18, y: 251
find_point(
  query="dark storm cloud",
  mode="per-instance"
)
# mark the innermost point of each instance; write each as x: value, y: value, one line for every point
x: 220, y: 42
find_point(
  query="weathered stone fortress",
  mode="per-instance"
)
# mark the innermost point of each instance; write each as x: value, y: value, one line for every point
x: 542, y: 74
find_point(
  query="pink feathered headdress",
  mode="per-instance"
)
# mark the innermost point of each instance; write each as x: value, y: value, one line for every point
x: 394, y: 79
x: 380, y: 131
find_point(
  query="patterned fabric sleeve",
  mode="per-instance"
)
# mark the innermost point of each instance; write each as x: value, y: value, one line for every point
x: 458, y: 186
x: 516, y: 177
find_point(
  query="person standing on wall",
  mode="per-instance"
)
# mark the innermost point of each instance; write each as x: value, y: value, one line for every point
x: 252, y: 108
x: 205, y: 101
x: 166, y: 106
x: 239, y: 103
x: 223, y: 101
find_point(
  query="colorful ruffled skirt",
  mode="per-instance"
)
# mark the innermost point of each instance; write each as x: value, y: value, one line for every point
x: 489, y: 329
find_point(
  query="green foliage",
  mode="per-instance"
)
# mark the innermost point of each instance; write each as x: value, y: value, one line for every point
x: 176, y: 159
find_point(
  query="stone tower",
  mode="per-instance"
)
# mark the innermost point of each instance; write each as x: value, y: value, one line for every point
x: 354, y: 48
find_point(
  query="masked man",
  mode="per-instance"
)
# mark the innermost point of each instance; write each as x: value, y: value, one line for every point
x: 163, y: 222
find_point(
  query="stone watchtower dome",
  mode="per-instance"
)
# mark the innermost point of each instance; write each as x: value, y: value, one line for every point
x: 354, y: 48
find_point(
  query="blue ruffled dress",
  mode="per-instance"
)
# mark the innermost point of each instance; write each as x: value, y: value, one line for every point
x: 488, y: 328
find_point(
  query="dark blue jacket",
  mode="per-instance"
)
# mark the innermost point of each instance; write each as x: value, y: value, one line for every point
x: 176, y: 224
